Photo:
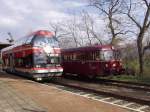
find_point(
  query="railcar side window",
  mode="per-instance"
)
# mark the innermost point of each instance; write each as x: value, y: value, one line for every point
x: 24, y: 62
x: 40, y: 59
x: 29, y: 39
x: 18, y: 62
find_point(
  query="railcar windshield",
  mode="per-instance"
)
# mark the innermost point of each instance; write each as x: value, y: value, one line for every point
x: 44, y: 60
x: 53, y: 60
x: 109, y: 55
x: 40, y: 59
x: 42, y: 41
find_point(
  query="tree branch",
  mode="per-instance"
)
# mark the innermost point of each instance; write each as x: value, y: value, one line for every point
x: 146, y: 2
x: 134, y: 20
x: 98, y: 5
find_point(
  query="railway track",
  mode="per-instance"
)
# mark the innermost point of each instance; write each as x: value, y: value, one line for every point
x: 132, y: 85
x: 133, y: 98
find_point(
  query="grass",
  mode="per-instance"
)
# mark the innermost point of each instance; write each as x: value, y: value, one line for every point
x: 134, y: 65
x: 138, y: 79
x: 0, y: 61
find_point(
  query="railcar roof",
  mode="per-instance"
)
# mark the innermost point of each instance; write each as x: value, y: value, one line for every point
x: 23, y: 39
x: 88, y: 48
x: 41, y: 32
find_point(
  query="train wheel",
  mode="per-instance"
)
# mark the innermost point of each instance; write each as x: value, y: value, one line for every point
x: 90, y: 76
x: 80, y: 76
x: 64, y: 74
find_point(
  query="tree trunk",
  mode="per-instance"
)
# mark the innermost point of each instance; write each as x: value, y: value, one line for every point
x: 140, y: 53
x: 112, y: 30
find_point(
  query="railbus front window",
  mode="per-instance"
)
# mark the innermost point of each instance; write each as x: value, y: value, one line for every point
x: 117, y: 54
x: 107, y: 55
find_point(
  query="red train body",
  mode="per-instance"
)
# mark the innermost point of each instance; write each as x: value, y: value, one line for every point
x: 92, y: 61
x: 36, y: 55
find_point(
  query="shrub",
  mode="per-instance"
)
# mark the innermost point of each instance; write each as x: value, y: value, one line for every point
x: 0, y: 61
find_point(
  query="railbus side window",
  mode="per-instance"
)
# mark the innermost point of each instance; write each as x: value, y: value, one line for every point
x: 88, y: 56
x: 65, y: 58
x: 71, y: 57
x: 97, y: 56
x: 102, y: 55
x: 94, y: 56
x: 91, y: 56
x: 74, y: 56
x: 117, y: 54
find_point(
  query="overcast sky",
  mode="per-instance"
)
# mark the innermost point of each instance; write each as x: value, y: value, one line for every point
x: 22, y: 16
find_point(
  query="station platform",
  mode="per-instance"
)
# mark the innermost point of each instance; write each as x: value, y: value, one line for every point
x: 21, y: 95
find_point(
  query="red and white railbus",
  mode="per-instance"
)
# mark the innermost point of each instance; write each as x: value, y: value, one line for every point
x: 36, y: 55
x: 92, y: 61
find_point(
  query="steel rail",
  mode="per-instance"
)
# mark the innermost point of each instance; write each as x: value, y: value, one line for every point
x: 102, y: 92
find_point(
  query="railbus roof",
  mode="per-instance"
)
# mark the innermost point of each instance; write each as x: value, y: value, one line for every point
x: 88, y: 48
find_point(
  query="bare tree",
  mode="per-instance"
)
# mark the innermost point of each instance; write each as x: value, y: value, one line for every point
x: 65, y: 33
x: 77, y: 31
x: 141, y: 25
x: 110, y: 9
x: 147, y: 43
x: 69, y: 32
x: 88, y: 27
x: 58, y: 29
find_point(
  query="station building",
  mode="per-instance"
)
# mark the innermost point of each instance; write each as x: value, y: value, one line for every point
x: 3, y: 45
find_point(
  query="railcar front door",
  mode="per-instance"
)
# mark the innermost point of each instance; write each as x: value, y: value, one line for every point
x: 11, y: 63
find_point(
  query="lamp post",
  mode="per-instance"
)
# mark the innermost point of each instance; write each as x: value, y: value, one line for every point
x: 10, y: 40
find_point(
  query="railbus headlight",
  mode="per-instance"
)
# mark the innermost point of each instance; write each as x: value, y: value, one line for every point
x: 120, y: 64
x: 106, y: 65
x: 114, y: 64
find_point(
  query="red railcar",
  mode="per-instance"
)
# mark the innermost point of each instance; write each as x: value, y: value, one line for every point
x: 36, y: 55
x: 92, y: 61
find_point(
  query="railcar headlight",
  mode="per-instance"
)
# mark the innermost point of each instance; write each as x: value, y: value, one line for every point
x: 37, y: 66
x: 114, y: 64
x: 39, y: 79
